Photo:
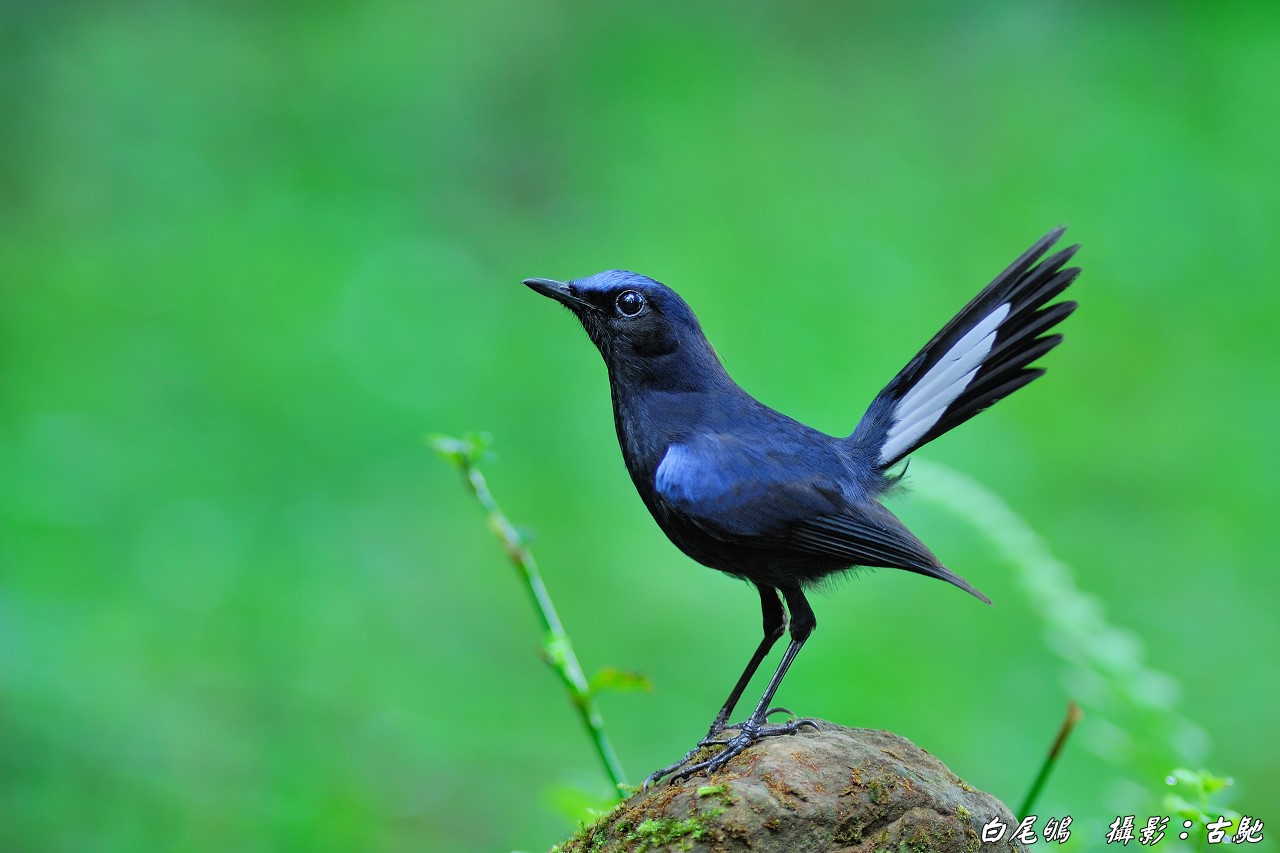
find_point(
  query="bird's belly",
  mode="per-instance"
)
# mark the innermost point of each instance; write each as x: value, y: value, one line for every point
x: 768, y: 561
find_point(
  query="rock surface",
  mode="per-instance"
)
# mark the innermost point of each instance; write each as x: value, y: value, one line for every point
x: 837, y: 789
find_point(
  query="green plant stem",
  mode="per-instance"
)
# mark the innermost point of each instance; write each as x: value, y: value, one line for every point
x: 1124, y: 691
x: 557, y: 649
x: 1073, y: 716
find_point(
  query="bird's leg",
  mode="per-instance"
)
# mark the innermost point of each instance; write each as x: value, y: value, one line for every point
x: 757, y: 727
x: 775, y: 624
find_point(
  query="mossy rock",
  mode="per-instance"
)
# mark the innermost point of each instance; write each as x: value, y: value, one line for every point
x: 836, y: 789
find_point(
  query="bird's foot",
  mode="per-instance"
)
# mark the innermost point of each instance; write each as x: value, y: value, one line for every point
x: 749, y: 731
x: 656, y: 775
x: 711, y: 735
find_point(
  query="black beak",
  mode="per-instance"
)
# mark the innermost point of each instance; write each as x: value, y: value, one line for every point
x: 557, y: 290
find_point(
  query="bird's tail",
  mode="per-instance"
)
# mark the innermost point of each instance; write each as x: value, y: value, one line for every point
x: 977, y: 359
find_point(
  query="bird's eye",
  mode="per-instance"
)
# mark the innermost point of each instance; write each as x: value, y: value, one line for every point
x: 630, y: 303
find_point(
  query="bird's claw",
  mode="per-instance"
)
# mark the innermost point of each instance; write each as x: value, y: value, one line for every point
x: 748, y: 733
x: 740, y: 726
x: 653, y: 777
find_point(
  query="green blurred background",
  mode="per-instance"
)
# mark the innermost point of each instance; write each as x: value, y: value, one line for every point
x: 251, y: 253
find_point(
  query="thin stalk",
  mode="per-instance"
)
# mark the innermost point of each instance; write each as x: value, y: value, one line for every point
x: 1073, y: 716
x: 557, y: 649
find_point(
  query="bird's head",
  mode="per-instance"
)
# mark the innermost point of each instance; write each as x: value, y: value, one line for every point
x: 638, y: 324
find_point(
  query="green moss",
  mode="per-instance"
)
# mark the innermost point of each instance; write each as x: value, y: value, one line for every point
x: 723, y: 796
x: 588, y: 839
x: 848, y: 833
x: 882, y: 788
x: 656, y: 832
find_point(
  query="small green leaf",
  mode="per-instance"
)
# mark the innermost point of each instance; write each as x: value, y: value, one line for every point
x: 612, y: 678
x: 556, y: 650
x: 577, y: 803
x: 1213, y: 783
x: 471, y: 449
x: 1180, y: 807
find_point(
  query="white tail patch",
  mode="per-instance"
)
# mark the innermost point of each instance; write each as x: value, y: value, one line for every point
x: 924, y: 404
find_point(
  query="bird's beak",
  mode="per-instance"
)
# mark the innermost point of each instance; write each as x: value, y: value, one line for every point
x: 557, y: 290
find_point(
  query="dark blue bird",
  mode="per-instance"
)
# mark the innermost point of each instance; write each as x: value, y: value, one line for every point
x: 747, y: 490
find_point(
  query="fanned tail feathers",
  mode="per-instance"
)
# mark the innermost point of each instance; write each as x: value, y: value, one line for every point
x: 980, y: 357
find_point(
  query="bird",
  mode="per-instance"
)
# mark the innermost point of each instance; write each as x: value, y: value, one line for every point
x: 742, y: 488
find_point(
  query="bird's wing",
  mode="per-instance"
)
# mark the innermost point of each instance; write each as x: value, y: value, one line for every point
x: 734, y: 488
x: 867, y: 534
x: 775, y: 492
x: 978, y: 358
